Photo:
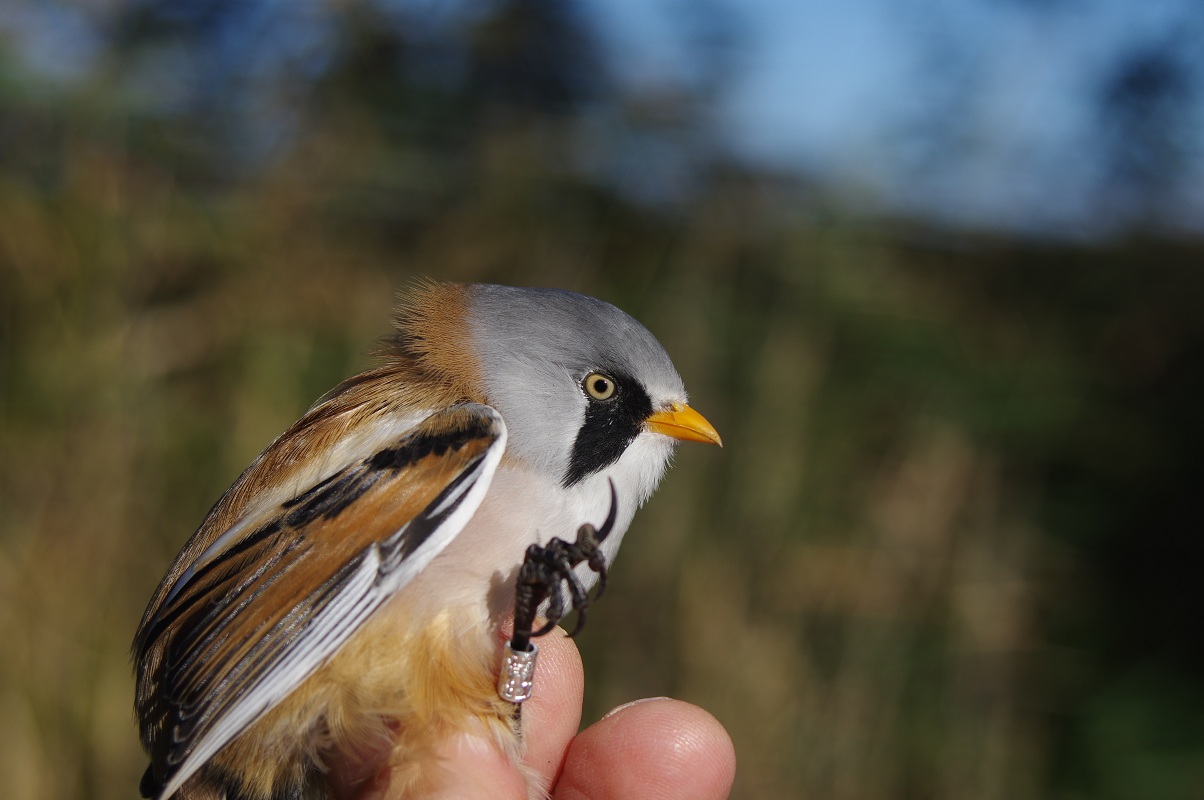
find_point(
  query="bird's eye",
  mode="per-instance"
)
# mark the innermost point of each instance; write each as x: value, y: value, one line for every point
x: 599, y: 386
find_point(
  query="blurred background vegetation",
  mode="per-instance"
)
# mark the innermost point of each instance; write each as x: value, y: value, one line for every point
x: 951, y: 550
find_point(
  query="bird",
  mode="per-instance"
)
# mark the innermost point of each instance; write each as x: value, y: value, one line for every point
x: 349, y: 587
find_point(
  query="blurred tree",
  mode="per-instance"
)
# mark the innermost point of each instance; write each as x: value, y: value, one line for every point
x: 538, y: 55
x: 1146, y: 108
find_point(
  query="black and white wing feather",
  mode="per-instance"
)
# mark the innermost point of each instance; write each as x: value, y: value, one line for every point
x: 280, y: 591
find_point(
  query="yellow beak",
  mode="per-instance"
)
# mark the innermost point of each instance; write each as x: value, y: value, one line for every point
x: 682, y: 422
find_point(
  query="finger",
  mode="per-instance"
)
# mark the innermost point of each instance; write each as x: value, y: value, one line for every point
x: 657, y: 749
x: 463, y: 767
x: 552, y: 715
x: 360, y: 775
x: 473, y: 768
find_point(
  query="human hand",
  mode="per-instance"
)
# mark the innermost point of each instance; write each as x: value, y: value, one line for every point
x: 652, y: 749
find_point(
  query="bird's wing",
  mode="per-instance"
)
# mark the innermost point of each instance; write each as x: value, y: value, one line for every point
x: 276, y: 596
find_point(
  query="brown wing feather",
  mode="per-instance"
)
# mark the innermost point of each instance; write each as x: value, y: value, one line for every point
x: 224, y: 626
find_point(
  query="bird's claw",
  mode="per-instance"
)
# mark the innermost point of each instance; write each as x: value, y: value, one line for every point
x: 548, y: 569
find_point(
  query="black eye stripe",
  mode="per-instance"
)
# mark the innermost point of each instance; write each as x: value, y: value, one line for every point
x: 609, y: 426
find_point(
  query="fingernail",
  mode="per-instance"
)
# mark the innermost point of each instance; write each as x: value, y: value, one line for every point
x: 617, y: 709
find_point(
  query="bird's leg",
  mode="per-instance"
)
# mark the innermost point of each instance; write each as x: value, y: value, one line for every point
x: 544, y: 569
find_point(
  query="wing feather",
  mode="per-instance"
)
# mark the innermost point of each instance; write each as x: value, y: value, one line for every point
x: 278, y: 593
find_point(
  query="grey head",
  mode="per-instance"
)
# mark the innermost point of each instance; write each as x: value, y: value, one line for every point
x: 574, y: 378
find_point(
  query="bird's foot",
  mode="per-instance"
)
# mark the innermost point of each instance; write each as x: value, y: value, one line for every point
x: 545, y: 568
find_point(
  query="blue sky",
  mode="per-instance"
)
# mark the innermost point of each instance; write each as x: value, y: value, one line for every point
x: 838, y: 89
